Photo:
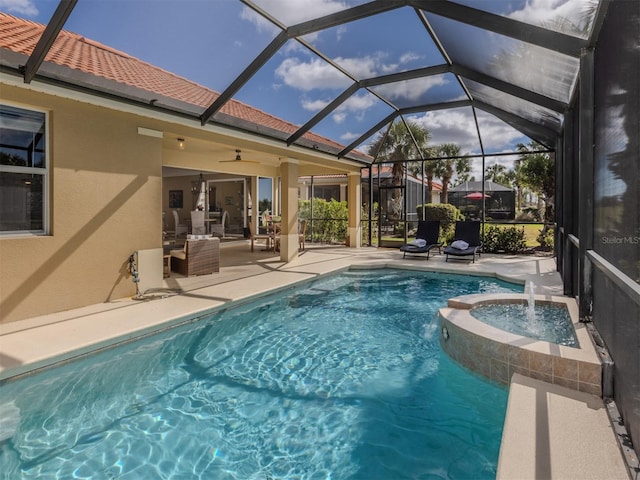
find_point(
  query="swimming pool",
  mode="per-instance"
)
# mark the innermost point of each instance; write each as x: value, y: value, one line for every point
x: 342, y: 379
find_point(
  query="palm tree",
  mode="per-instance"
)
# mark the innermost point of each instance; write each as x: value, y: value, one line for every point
x: 451, y: 165
x: 496, y: 173
x: 401, y: 142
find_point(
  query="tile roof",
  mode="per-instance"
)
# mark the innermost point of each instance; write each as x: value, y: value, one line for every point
x: 80, y: 53
x: 386, y: 171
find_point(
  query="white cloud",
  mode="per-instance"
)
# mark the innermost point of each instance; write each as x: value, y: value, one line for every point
x: 314, y: 105
x: 19, y: 7
x: 451, y: 126
x: 310, y: 75
x: 364, y: 67
x: 498, y: 135
x: 408, y: 57
x: 348, y: 136
x: 307, y: 75
x: 357, y: 105
x: 410, y: 89
x: 546, y: 12
x: 339, y: 117
x: 458, y: 126
x: 290, y: 12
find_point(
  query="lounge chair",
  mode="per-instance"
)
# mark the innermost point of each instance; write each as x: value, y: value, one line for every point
x: 426, y: 239
x: 466, y: 241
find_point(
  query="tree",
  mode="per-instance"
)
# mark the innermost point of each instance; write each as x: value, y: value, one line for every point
x: 431, y: 170
x: 397, y: 144
x: 537, y: 172
x: 401, y: 142
x: 496, y: 173
x: 447, y: 167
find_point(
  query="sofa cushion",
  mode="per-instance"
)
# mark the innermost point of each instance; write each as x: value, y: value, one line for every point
x: 181, y: 254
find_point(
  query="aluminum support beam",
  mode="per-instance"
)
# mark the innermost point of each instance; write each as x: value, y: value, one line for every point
x: 511, y: 89
x: 586, y: 178
x: 51, y: 31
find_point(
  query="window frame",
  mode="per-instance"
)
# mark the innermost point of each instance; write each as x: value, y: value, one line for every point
x: 44, y: 172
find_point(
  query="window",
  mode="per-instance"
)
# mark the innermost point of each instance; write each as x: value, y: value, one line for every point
x: 328, y: 192
x: 23, y: 171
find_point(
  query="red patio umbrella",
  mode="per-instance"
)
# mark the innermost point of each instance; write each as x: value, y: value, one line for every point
x: 476, y: 196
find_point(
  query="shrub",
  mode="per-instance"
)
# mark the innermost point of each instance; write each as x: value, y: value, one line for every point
x: 445, y: 212
x: 499, y: 239
x: 364, y: 212
x: 329, y: 219
x: 546, y: 238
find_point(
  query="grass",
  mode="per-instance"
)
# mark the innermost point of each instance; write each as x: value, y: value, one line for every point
x: 531, y: 232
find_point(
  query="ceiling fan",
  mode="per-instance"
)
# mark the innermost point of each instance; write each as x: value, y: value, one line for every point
x: 239, y: 159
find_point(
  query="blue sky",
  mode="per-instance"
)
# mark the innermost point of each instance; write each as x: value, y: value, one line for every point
x: 212, y: 41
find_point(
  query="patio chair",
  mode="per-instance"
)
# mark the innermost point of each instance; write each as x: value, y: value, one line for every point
x: 267, y: 237
x: 302, y: 230
x: 197, y: 222
x: 466, y: 240
x: 219, y: 228
x: 180, y: 228
x: 426, y: 239
x: 301, y: 234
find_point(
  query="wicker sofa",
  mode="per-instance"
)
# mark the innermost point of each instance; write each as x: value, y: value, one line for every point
x: 200, y: 256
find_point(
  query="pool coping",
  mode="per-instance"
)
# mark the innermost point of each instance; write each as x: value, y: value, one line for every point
x: 549, y: 432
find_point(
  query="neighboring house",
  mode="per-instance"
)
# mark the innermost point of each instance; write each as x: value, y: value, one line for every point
x: 81, y: 173
x: 327, y: 187
x: 416, y: 189
x: 499, y: 201
x: 335, y: 187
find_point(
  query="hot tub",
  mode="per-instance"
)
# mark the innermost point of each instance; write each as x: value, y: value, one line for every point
x: 497, y: 353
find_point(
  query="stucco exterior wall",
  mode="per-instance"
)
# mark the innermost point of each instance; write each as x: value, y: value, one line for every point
x: 105, y: 203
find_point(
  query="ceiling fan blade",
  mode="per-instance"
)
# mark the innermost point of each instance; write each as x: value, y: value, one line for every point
x: 238, y: 159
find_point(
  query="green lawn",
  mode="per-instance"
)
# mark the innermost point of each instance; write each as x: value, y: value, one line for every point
x: 531, y: 231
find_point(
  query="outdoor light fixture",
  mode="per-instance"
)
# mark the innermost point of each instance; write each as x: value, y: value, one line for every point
x: 180, y: 143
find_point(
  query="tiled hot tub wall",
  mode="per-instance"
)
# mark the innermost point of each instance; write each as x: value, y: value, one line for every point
x: 497, y: 354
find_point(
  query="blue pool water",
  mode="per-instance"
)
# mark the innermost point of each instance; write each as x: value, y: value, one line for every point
x: 551, y: 323
x: 340, y: 379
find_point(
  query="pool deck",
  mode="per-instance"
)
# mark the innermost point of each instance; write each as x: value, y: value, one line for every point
x: 565, y: 434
